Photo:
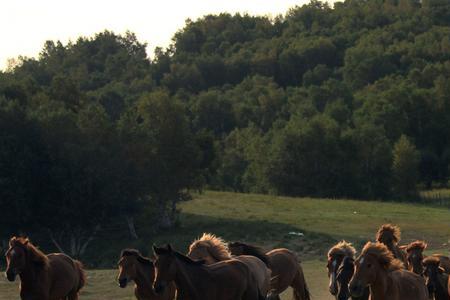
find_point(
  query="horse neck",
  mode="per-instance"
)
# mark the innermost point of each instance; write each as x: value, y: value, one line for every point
x: 30, y: 274
x: 442, y: 287
x: 379, y: 288
x: 144, y: 279
x: 188, y: 279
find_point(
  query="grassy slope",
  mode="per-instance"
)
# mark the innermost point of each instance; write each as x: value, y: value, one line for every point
x: 267, y: 221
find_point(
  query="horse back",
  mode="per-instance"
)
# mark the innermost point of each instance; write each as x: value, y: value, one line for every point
x: 65, y: 275
x: 260, y: 271
x: 284, y: 265
x: 407, y: 285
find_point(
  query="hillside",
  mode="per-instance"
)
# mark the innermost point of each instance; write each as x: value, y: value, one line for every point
x: 268, y: 221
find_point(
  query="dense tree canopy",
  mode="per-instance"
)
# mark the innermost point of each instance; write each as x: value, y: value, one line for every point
x: 344, y: 101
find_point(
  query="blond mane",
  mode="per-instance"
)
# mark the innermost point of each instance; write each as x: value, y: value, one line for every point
x: 390, y: 231
x: 382, y: 254
x: 342, y: 248
x: 416, y: 245
x: 431, y: 261
x: 216, y: 246
x: 36, y: 255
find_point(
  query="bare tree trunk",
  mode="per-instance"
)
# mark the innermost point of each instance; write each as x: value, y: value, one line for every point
x: 89, y: 240
x: 131, y: 227
x: 55, y: 242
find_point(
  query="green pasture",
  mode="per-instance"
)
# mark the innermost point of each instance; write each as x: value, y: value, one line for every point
x: 308, y: 226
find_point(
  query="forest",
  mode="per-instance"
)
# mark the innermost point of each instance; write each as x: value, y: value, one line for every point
x: 343, y: 101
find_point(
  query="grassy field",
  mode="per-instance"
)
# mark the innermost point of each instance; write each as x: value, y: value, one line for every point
x: 308, y: 226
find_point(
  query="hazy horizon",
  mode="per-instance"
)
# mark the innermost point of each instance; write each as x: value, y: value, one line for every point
x: 25, y: 26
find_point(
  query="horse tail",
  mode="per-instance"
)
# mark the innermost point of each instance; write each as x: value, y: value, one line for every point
x: 300, y: 288
x: 81, y: 275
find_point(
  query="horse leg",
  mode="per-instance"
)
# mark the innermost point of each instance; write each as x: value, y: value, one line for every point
x: 300, y: 289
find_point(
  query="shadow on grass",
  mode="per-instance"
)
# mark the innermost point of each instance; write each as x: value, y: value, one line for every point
x: 104, y: 251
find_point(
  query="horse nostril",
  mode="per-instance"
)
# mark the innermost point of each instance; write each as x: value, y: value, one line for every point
x: 10, y: 275
x: 159, y: 288
x: 123, y: 282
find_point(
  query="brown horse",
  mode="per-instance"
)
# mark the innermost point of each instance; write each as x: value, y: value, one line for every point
x: 135, y: 267
x: 212, y: 249
x: 285, y: 266
x: 415, y: 256
x: 225, y: 280
x: 340, y: 265
x: 377, y: 268
x: 390, y: 235
x: 43, y: 277
x: 436, y: 278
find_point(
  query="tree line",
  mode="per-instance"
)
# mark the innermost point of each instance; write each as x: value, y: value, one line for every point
x: 345, y: 101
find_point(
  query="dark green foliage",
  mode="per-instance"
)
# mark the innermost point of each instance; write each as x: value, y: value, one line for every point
x: 314, y: 103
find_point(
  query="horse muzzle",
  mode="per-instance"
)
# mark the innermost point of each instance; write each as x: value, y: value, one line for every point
x: 123, y: 282
x: 356, y: 289
x: 159, y: 288
x: 11, y: 275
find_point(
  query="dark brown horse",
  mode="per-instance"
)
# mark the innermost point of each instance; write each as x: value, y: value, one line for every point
x: 377, y: 268
x: 340, y: 265
x: 43, y: 277
x: 213, y: 249
x: 285, y: 266
x: 390, y: 235
x: 225, y: 280
x: 415, y: 256
x: 135, y: 267
x: 436, y: 278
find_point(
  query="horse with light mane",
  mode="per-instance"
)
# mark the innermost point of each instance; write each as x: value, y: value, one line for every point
x: 436, y: 278
x: 213, y: 249
x: 285, y: 267
x: 377, y: 268
x: 415, y: 256
x: 390, y: 235
x: 195, y: 280
x: 340, y: 265
x: 135, y: 267
x: 43, y: 277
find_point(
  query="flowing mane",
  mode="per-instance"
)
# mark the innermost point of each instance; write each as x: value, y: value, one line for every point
x: 342, y: 248
x: 417, y: 245
x: 252, y: 250
x: 389, y: 233
x: 431, y: 261
x: 215, y: 245
x: 138, y: 255
x: 383, y: 256
x: 37, y: 256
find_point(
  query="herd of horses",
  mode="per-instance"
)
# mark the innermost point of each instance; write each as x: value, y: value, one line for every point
x: 215, y: 270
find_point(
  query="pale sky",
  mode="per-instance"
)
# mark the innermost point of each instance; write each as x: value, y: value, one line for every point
x: 26, y: 24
